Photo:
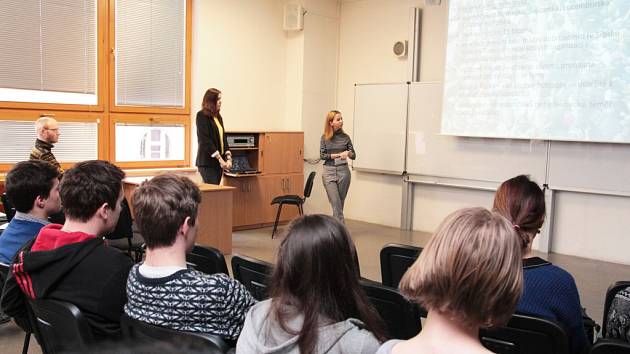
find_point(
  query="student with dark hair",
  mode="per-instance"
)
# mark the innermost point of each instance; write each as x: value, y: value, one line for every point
x: 162, y: 291
x: 213, y: 153
x: 467, y: 277
x: 550, y: 291
x: 32, y: 187
x: 317, y: 304
x: 71, y: 262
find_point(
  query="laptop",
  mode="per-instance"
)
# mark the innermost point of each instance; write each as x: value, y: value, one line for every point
x: 240, y: 164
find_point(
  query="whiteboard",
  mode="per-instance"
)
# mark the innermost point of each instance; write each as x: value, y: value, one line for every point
x: 480, y: 159
x: 380, y: 126
x: 591, y: 167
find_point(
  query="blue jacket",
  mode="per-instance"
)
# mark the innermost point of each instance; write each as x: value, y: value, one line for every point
x: 550, y: 292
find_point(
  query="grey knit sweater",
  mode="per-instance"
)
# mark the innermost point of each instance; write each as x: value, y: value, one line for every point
x: 339, y: 142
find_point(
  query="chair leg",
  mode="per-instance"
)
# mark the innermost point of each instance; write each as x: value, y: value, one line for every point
x: 275, y: 224
x: 27, y: 341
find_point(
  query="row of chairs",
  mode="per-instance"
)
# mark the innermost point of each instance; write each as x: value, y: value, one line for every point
x: 523, y: 334
x: 59, y: 326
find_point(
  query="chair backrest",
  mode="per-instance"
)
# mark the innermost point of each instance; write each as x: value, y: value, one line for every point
x: 60, y: 326
x: 610, y: 346
x: 143, y: 332
x: 401, y: 316
x: 395, y: 260
x: 207, y: 259
x: 524, y: 335
x: 254, y: 274
x: 124, y: 227
x: 613, y: 289
x: 308, y: 187
x: 9, y: 210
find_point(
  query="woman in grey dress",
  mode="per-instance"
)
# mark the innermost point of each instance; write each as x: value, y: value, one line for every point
x: 335, y: 149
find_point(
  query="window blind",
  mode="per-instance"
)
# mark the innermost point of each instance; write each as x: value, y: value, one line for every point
x: 150, y: 53
x: 48, y: 51
x: 78, y: 141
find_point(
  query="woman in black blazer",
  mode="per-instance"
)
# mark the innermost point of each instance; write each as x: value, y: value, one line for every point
x: 213, y: 154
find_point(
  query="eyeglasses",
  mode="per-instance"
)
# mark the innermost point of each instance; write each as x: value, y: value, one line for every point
x: 55, y: 129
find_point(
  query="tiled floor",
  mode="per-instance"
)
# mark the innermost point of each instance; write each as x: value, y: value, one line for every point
x: 592, y: 277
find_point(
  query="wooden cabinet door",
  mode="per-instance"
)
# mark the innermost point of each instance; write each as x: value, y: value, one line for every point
x: 295, y: 158
x: 255, y: 200
x: 296, y: 184
x: 276, y: 147
x: 277, y: 185
x: 239, y: 197
x: 247, y: 201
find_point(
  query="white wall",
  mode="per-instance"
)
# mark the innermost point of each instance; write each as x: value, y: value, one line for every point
x: 240, y: 48
x: 587, y: 225
x: 273, y: 79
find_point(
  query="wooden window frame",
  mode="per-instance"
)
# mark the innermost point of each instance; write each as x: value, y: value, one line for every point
x: 149, y: 119
x: 66, y: 116
x: 105, y: 112
x: 112, y: 69
x: 101, y: 13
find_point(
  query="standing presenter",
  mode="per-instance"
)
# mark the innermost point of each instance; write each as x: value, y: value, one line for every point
x: 335, y: 149
x: 213, y: 155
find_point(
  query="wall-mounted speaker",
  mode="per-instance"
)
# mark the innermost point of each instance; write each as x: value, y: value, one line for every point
x: 400, y: 49
x: 293, y: 17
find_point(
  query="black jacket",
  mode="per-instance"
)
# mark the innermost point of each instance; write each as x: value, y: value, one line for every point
x: 208, y: 139
x: 88, y: 274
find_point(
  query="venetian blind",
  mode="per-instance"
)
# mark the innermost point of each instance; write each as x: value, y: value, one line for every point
x: 78, y: 141
x: 150, y: 53
x: 48, y: 51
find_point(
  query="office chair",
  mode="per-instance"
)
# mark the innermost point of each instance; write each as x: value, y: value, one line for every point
x: 4, y: 273
x: 610, y: 346
x: 395, y: 260
x: 207, y: 259
x: 191, y: 341
x: 401, y: 316
x: 60, y: 326
x: 524, y: 335
x: 254, y: 274
x: 9, y: 210
x: 123, y: 237
x: 613, y: 289
x: 293, y: 200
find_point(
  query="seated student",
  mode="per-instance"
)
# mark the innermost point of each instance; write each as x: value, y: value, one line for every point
x: 32, y: 187
x: 468, y: 276
x: 162, y: 291
x: 618, y: 317
x: 317, y: 304
x: 549, y: 291
x: 71, y: 262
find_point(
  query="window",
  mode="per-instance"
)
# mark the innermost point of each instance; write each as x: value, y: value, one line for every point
x: 54, y: 60
x: 48, y: 51
x: 149, y: 142
x: 150, y: 53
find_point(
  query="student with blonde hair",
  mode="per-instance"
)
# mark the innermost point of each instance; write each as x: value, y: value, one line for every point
x: 468, y: 277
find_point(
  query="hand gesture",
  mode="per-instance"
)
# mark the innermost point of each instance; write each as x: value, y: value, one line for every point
x: 344, y: 155
x: 228, y: 164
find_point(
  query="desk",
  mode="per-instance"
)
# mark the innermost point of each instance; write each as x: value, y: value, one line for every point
x: 215, y: 213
